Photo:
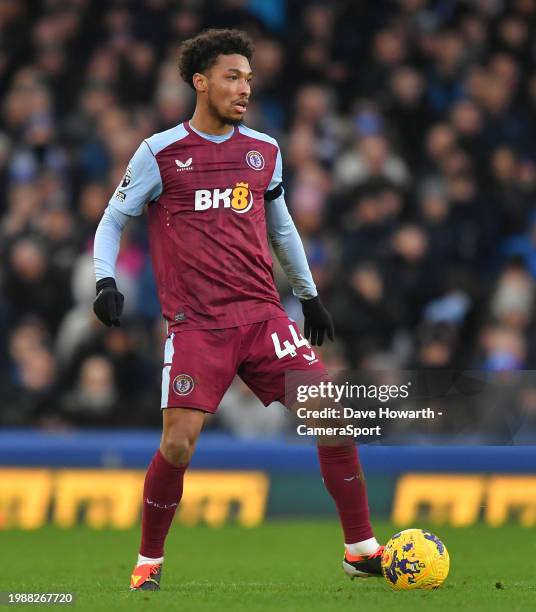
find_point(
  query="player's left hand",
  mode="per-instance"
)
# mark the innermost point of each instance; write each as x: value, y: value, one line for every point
x: 317, y: 322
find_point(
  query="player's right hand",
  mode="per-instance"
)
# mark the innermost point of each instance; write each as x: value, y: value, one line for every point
x: 108, y: 304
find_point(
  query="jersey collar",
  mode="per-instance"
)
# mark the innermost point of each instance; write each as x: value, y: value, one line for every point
x: 196, y: 134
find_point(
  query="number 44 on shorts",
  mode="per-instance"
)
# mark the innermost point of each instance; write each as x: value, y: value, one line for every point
x: 289, y: 348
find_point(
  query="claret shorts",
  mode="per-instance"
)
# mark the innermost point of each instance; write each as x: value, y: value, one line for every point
x: 199, y: 365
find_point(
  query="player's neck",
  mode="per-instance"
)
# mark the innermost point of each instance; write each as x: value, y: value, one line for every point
x: 206, y: 123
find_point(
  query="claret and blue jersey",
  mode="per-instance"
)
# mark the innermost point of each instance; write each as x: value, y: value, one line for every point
x: 207, y: 223
x: 211, y: 202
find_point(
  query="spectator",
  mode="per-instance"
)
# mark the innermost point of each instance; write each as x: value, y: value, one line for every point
x: 95, y: 399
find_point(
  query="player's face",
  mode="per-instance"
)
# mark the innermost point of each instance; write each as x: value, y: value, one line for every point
x: 229, y: 88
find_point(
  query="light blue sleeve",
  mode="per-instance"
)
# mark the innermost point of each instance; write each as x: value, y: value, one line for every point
x: 107, y: 242
x: 140, y: 185
x: 277, y: 176
x: 288, y: 248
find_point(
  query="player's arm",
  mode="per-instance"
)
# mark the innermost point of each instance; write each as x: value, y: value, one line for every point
x: 141, y: 184
x: 290, y: 253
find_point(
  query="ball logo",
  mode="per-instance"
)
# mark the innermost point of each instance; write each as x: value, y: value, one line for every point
x: 239, y: 198
x: 183, y: 384
x: 255, y: 160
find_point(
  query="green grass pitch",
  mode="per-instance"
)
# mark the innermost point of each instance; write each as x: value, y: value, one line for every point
x: 280, y: 566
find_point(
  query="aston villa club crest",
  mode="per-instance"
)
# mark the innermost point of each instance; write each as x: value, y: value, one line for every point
x: 255, y: 160
x: 183, y: 384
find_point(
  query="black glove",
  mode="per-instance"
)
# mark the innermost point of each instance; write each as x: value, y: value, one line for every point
x: 317, y: 322
x: 108, y: 304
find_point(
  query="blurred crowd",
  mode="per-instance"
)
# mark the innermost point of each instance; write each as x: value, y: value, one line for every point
x: 407, y: 130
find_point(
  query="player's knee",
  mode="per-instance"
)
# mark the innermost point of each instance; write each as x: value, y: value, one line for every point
x: 177, y: 448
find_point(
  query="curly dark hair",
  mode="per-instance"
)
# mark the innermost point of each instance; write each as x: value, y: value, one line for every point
x: 201, y: 52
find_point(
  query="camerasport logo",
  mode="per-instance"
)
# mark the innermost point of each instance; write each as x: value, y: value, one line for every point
x: 255, y: 160
x: 238, y: 198
x: 183, y: 384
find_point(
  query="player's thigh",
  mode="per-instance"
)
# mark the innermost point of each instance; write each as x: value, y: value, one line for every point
x: 279, y: 358
x: 199, y: 366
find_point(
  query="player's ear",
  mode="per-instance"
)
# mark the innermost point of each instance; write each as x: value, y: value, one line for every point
x: 200, y: 82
